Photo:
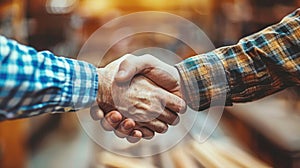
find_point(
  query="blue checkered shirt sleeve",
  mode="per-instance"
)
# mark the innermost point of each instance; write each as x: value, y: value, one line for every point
x: 33, y: 83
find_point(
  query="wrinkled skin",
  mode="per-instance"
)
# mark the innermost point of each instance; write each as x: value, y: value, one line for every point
x: 137, y: 108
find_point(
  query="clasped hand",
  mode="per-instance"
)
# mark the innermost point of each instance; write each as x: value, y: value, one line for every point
x: 138, y: 96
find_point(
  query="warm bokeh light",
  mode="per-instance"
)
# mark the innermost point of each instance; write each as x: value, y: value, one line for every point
x: 261, y: 132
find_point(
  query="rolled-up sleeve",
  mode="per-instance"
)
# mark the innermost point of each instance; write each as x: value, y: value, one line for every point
x: 257, y: 66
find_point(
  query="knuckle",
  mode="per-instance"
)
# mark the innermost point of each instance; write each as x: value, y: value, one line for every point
x: 156, y: 107
x: 183, y: 107
x: 161, y: 128
x: 179, y: 104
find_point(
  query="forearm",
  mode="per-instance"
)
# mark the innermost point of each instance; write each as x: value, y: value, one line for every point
x: 257, y: 66
x: 38, y: 82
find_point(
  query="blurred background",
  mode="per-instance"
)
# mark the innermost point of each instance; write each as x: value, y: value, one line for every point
x: 265, y: 133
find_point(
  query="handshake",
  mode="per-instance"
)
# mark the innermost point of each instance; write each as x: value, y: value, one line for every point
x: 138, y: 96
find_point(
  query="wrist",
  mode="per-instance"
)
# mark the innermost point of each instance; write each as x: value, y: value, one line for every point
x: 104, y: 97
x: 182, y: 89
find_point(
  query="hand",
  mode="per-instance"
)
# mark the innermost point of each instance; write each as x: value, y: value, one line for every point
x: 112, y: 121
x: 141, y: 100
x: 160, y: 73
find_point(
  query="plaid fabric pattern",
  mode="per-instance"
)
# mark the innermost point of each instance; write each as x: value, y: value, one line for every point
x: 257, y: 66
x: 34, y: 82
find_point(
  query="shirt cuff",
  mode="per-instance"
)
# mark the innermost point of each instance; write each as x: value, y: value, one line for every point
x: 205, y: 81
x: 83, y: 84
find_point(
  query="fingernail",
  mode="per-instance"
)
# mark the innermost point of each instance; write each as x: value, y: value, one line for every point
x: 127, y: 126
x: 137, y: 133
x: 114, y: 119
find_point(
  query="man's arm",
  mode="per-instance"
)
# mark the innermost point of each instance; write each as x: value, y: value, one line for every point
x: 34, y: 82
x: 259, y: 65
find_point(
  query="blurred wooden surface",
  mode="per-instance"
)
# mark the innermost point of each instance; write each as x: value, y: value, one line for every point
x: 13, y: 135
x: 190, y: 154
x: 271, y: 128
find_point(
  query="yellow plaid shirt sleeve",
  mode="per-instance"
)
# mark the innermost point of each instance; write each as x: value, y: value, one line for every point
x: 257, y: 66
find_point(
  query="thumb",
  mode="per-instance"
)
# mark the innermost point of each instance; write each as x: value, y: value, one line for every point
x: 159, y: 72
x: 126, y: 72
x: 129, y: 67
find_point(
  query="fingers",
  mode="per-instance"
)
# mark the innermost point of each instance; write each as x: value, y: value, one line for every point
x: 128, y: 128
x: 154, y: 125
x: 111, y: 120
x: 142, y: 132
x: 172, y: 102
x: 135, y: 136
x: 125, y: 128
x: 96, y: 113
x: 147, y: 133
x: 169, y: 117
